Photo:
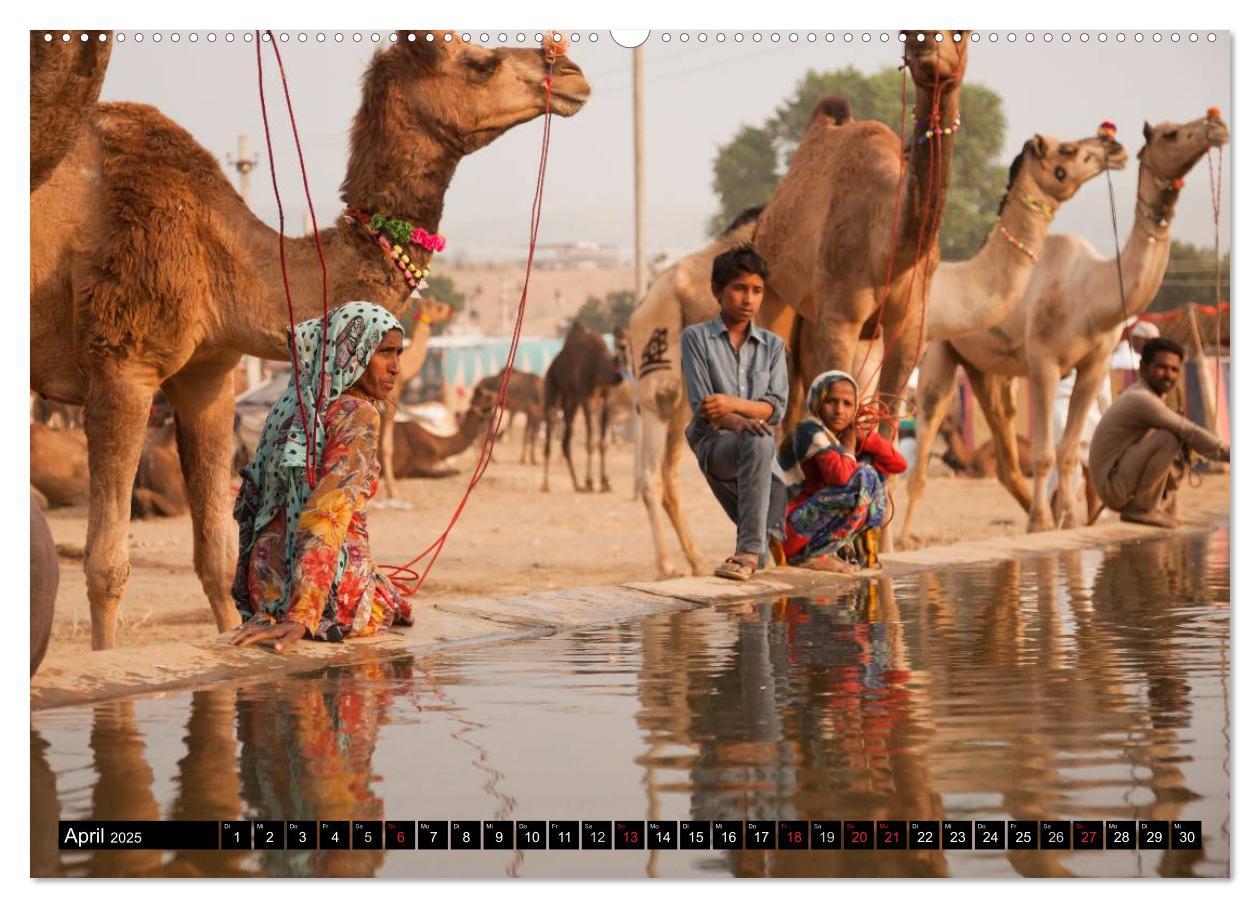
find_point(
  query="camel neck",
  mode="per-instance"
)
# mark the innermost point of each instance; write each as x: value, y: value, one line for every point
x: 995, y: 278
x: 1156, y: 201
x: 399, y: 166
x: 928, y: 164
x: 357, y: 270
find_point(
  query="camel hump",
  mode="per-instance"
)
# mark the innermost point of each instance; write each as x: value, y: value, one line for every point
x: 151, y: 151
x: 834, y: 107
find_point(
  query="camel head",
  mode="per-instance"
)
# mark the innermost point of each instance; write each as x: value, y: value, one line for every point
x: 936, y: 63
x: 468, y: 95
x: 1172, y: 149
x: 1047, y: 168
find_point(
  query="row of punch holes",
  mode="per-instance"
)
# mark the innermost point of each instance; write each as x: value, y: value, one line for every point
x: 666, y: 37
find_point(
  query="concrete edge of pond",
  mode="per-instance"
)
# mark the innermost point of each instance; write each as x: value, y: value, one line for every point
x: 79, y: 678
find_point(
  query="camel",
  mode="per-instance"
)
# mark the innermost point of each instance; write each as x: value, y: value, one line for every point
x: 59, y: 466
x: 680, y: 296
x: 524, y: 395
x: 850, y: 234
x: 159, y: 487
x: 1071, y: 317
x: 974, y: 294
x: 148, y: 271
x: 45, y: 575
x: 66, y: 79
x: 982, y: 462
x: 419, y: 453
x: 579, y: 376
x: 431, y: 312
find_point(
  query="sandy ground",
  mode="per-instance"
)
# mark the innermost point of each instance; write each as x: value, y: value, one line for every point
x: 511, y: 538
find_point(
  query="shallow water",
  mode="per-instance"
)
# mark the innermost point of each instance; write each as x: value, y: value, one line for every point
x: 1089, y: 684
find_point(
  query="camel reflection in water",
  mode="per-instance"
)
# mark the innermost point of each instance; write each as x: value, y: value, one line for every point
x: 305, y: 752
x: 1059, y: 686
x: 1051, y: 687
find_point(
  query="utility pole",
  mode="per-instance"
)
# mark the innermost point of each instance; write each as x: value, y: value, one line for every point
x: 640, y: 267
x: 244, y: 164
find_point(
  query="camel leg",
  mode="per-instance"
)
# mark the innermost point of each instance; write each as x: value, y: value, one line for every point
x: 385, y: 450
x: 937, y: 387
x: 604, y: 485
x: 548, y: 420
x: 674, y: 439
x: 1089, y: 378
x: 529, y: 427
x: 648, y: 480
x: 590, y: 445
x: 115, y: 414
x: 204, y: 403
x: 1043, y: 377
x: 566, y: 442
x: 994, y: 394
x: 895, y: 368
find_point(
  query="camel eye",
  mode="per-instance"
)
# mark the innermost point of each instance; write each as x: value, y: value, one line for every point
x: 1171, y: 136
x: 483, y: 66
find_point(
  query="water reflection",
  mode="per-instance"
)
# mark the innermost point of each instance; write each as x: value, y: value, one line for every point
x: 1084, y: 684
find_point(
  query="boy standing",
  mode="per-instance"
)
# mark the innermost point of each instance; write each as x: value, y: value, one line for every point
x: 736, y: 378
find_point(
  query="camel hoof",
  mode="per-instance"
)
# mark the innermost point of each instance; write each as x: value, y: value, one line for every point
x: 1040, y: 524
x: 605, y: 486
x: 668, y: 572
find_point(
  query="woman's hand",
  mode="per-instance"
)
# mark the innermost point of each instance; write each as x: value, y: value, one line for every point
x: 280, y: 635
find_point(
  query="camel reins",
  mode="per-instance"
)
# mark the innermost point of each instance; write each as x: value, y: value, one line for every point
x: 553, y: 47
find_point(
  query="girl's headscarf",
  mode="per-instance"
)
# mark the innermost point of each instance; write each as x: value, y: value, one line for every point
x: 275, y: 479
x: 811, y: 434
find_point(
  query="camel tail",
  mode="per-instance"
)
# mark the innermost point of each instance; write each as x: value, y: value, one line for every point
x: 835, y: 107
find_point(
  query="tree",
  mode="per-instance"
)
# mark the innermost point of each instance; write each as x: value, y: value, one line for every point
x: 607, y: 315
x: 748, y: 167
x: 1191, y: 278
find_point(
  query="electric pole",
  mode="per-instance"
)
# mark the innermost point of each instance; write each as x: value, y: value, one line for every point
x: 640, y: 268
x: 244, y: 164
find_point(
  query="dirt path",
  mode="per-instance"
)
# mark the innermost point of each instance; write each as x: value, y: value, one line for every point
x: 511, y: 539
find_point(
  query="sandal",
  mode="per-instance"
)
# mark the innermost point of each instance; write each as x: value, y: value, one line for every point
x: 735, y: 568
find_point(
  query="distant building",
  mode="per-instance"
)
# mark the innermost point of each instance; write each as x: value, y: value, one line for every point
x: 564, y: 256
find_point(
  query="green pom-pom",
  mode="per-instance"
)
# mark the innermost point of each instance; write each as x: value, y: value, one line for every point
x: 377, y: 222
x: 399, y: 230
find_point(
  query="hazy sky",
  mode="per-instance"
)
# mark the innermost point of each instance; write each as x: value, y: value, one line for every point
x: 698, y: 96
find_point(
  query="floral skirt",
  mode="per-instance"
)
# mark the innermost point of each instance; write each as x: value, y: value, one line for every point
x: 831, y: 518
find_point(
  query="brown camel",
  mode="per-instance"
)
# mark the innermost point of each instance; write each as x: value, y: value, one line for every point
x: 681, y: 295
x: 66, y: 78
x: 45, y: 575
x: 982, y: 462
x: 159, y: 487
x: 148, y: 271
x: 854, y: 208
x: 1071, y: 317
x: 524, y: 395
x: 419, y: 453
x: 579, y: 376
x: 59, y: 466
x: 431, y: 312
x: 974, y: 294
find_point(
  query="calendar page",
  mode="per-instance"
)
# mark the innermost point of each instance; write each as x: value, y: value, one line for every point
x: 697, y: 453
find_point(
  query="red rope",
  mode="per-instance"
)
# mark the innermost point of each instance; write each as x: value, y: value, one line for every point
x: 487, y: 444
x: 309, y: 427
x: 933, y: 217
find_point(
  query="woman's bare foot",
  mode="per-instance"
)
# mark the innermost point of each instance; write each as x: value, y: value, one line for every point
x: 1153, y: 517
x: 829, y: 563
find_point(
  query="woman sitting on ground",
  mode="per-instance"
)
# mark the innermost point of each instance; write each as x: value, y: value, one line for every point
x: 844, y: 463
x: 304, y: 568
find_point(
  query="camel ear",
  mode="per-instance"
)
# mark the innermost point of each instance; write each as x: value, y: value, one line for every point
x: 423, y: 50
x: 1147, y: 132
x: 1040, y: 146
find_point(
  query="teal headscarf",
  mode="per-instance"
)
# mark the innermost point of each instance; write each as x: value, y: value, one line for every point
x: 275, y: 479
